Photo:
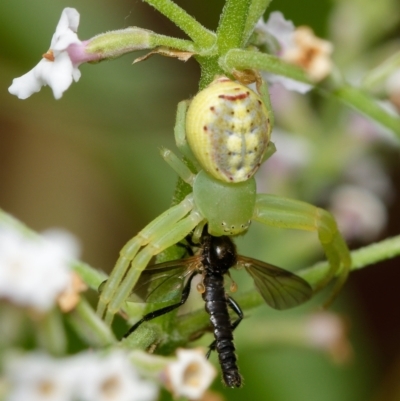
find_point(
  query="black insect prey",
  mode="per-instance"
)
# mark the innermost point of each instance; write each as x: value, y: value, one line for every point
x: 280, y: 289
x: 219, y: 255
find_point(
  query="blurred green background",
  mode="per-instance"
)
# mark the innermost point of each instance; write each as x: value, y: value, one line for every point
x: 90, y: 163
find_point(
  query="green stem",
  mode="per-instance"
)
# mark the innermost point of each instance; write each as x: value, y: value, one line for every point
x: 197, y: 32
x: 256, y: 11
x: 114, y: 44
x: 10, y: 221
x: 89, y: 326
x: 144, y: 337
x: 92, y: 277
x: 378, y: 75
x: 232, y: 25
x: 209, y: 70
x: 367, y: 105
x: 50, y: 333
x: 368, y: 255
x: 173, y: 43
x: 247, y: 59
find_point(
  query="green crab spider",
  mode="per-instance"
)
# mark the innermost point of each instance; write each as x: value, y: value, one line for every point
x: 224, y: 132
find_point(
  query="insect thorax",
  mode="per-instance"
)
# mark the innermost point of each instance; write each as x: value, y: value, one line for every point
x: 219, y: 254
x: 228, y: 129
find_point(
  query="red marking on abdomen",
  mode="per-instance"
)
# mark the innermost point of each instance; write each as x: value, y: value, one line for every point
x: 232, y: 98
x: 223, y: 79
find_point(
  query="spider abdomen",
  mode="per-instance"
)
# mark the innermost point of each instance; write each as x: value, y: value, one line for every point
x: 228, y: 130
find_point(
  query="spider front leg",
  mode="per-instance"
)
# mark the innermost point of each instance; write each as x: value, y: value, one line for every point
x: 180, y: 133
x: 167, y: 229
x: 288, y: 213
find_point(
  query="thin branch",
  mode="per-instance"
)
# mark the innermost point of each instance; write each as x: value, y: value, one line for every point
x: 197, y: 32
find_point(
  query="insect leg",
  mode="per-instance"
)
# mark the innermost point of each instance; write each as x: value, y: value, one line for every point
x: 189, y: 244
x: 186, y: 247
x: 180, y: 133
x: 236, y: 308
x: 163, y: 311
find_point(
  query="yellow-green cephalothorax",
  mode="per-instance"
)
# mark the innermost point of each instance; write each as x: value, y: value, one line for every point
x: 228, y: 130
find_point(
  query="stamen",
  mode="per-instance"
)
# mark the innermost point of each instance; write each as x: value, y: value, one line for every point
x: 49, y: 55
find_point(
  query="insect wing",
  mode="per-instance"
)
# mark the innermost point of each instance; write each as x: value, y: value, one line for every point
x: 280, y: 288
x: 163, y: 282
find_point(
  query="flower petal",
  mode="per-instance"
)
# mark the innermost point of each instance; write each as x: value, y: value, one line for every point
x: 27, y: 84
x: 60, y: 72
x: 190, y: 375
x: 281, y: 28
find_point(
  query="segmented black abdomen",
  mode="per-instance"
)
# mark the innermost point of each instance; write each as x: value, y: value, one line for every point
x: 217, y: 308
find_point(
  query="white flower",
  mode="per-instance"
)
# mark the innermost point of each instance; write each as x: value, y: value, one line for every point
x: 298, y: 46
x: 33, y: 271
x: 64, y: 240
x: 112, y: 378
x: 280, y: 28
x: 85, y: 377
x: 190, y: 375
x: 56, y: 68
x: 38, y: 377
x: 310, y: 53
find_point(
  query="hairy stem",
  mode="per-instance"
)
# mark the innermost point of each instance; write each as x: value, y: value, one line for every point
x: 232, y: 24
x: 246, y: 59
x: 364, y: 103
x: 89, y: 326
x: 256, y: 11
x: 366, y: 256
x: 197, y: 32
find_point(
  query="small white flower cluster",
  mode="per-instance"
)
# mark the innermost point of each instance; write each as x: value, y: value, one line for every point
x: 84, y: 377
x: 190, y: 375
x: 297, y: 46
x: 57, y: 68
x: 311, y: 53
x: 34, y: 272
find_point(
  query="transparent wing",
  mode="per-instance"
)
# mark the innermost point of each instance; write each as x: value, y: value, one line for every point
x: 163, y: 282
x: 280, y: 288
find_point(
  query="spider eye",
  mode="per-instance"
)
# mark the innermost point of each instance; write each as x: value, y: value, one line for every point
x: 228, y: 130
